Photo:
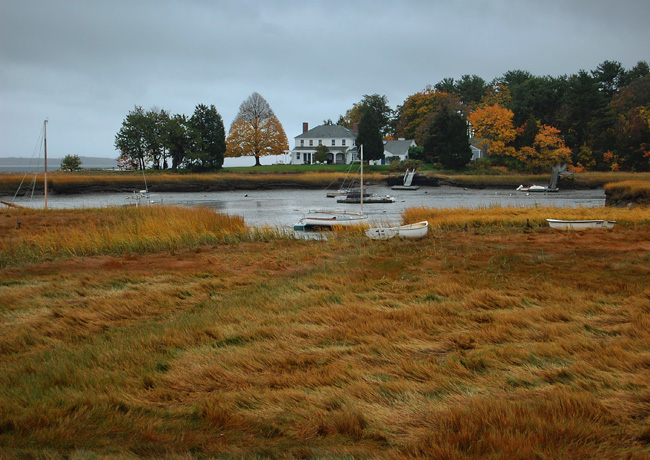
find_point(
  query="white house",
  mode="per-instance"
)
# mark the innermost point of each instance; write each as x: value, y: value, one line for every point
x: 476, y: 152
x: 396, y: 149
x: 341, y: 145
x: 338, y: 140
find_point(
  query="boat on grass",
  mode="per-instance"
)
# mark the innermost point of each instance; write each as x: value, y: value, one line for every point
x: 580, y: 224
x: 414, y: 231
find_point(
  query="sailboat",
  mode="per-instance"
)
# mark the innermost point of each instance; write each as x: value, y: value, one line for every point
x: 324, y: 218
x: 14, y: 205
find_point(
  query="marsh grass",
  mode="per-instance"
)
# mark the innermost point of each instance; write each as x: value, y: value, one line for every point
x: 582, y: 179
x: 119, y: 230
x: 518, y: 218
x: 525, y: 344
x: 62, y: 182
x: 629, y: 190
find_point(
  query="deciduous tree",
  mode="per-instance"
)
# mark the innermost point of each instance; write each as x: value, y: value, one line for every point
x: 379, y: 106
x: 178, y: 141
x: 130, y: 139
x: 256, y: 131
x: 419, y: 109
x: 547, y: 151
x: 71, y: 163
x: 493, y: 129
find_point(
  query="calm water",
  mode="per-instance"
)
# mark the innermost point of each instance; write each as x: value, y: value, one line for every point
x: 283, y: 208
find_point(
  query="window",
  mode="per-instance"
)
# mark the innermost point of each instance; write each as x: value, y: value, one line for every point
x: 320, y: 142
x: 333, y: 142
x: 298, y: 155
x: 302, y: 142
x: 311, y: 142
x: 343, y: 142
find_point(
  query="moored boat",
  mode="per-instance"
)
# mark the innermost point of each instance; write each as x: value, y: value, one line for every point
x: 330, y: 218
x: 535, y: 188
x: 355, y: 198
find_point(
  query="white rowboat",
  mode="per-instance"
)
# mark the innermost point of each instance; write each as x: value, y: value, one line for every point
x: 328, y: 218
x: 580, y: 224
x: 417, y: 230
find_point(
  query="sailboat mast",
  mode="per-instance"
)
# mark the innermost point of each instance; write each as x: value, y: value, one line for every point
x: 45, y: 156
x: 361, y: 178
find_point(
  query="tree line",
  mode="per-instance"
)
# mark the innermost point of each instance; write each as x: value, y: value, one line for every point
x: 596, y: 120
x: 159, y: 140
x: 593, y: 120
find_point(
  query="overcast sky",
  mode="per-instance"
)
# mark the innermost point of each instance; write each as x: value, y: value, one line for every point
x: 85, y: 64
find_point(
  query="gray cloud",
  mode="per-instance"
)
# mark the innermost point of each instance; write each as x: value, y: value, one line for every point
x: 86, y: 64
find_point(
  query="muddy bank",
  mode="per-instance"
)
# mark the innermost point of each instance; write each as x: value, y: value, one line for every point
x: 628, y: 193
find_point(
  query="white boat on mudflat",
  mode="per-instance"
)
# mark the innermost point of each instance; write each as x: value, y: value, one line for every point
x: 535, y: 188
x: 330, y: 218
x: 417, y: 230
x: 580, y: 224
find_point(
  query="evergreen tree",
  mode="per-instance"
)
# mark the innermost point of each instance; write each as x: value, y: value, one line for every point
x: 208, y: 138
x: 369, y: 136
x: 447, y: 140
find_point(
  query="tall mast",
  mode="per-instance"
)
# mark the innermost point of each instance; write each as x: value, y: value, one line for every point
x: 45, y: 155
x: 361, y: 178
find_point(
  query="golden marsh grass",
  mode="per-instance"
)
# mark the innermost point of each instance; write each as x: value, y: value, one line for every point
x: 64, y: 182
x: 503, y: 342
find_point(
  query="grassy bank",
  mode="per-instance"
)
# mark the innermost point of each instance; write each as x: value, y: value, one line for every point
x: 495, y: 342
x: 70, y: 183
x: 579, y: 180
x: 628, y: 192
x: 277, y: 177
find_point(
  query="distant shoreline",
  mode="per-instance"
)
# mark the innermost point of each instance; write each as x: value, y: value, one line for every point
x: 18, y: 165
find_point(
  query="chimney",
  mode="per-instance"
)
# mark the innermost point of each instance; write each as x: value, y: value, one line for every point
x: 355, y: 128
x: 305, y: 127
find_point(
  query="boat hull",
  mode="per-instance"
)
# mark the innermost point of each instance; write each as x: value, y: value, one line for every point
x: 381, y: 233
x: 579, y: 224
x: 326, y: 218
x: 405, y: 187
x: 417, y: 230
x: 536, y: 188
x: 367, y: 200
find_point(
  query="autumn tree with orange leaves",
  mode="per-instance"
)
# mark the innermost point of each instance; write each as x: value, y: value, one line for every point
x: 493, y: 129
x: 256, y: 131
x: 547, y: 150
x: 418, y: 111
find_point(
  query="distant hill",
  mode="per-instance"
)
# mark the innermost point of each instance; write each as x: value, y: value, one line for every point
x: 16, y: 164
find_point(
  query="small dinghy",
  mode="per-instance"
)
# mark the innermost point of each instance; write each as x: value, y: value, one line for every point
x: 414, y: 231
x: 579, y: 224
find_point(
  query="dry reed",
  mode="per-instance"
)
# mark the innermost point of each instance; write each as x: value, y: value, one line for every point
x: 525, y: 344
